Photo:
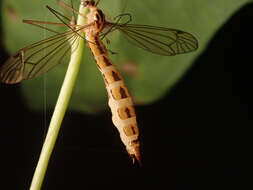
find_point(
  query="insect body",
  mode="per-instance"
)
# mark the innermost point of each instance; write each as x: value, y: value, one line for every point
x: 120, y: 101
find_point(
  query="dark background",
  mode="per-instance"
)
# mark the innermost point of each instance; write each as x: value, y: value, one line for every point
x: 197, y: 135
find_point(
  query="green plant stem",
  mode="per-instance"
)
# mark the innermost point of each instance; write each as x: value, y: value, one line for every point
x: 60, y: 108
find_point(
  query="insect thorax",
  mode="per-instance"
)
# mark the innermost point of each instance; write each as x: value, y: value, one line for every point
x: 97, y: 17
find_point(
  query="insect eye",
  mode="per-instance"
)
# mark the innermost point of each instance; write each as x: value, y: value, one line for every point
x: 85, y: 3
x: 92, y: 3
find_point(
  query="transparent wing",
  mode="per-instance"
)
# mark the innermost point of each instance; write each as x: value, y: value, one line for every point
x: 158, y: 40
x: 54, y: 26
x: 38, y: 58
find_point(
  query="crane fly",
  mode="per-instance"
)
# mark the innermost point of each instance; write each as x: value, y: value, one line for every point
x: 38, y: 58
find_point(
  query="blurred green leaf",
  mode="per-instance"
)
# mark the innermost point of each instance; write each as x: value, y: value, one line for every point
x: 148, y: 76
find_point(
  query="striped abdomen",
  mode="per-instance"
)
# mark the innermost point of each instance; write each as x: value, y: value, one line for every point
x: 120, y: 101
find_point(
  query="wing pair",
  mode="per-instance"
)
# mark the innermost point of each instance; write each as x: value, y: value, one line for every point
x: 40, y: 57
